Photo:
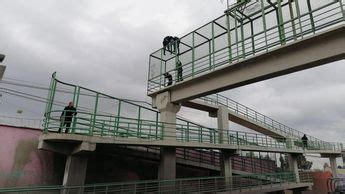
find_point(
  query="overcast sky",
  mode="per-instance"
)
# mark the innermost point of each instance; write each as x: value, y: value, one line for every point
x: 105, y: 45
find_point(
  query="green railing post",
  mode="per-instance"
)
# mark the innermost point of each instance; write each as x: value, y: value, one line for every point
x: 213, y: 47
x: 138, y: 124
x: 237, y: 138
x: 76, y: 103
x: 193, y: 53
x: 229, y: 36
x: 299, y: 17
x: 281, y: 23
x: 342, y: 9
x: 160, y: 71
x: 310, y: 12
x: 292, y: 19
x: 50, y: 102
x: 94, y: 115
x: 187, y: 132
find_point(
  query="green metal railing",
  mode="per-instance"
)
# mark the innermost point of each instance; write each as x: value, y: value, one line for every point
x: 186, y: 185
x: 102, y: 115
x: 119, y: 127
x: 256, y: 117
x: 245, y: 30
x: 96, y: 109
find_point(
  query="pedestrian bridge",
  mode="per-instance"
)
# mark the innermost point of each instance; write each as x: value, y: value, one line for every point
x: 251, y: 42
x: 103, y: 119
x: 247, y: 117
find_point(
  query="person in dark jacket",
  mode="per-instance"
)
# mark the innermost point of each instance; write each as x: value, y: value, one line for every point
x: 67, y: 116
x: 175, y: 41
x: 169, y: 77
x: 305, y: 141
x: 179, y: 71
x: 167, y: 44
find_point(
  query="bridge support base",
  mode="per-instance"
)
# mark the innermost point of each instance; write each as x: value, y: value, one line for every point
x: 167, y: 165
x: 226, y: 166
x: 168, y: 111
x: 333, y: 163
x: 75, y: 172
x: 293, y: 167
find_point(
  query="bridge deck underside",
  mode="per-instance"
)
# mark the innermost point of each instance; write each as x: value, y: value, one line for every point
x: 74, y: 138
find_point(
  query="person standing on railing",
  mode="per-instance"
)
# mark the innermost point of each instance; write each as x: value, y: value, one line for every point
x: 179, y: 71
x: 67, y: 116
x: 305, y: 141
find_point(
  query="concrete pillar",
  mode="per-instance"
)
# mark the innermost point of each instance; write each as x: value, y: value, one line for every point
x: 167, y: 165
x: 223, y: 124
x: 168, y: 111
x: 293, y: 166
x: 75, y: 172
x: 333, y: 162
x: 226, y: 166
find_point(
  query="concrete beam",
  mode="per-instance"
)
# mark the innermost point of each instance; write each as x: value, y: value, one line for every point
x: 236, y: 118
x: 320, y: 49
x: 84, y: 147
x: 56, y: 147
x: 66, y: 148
x: 53, y: 137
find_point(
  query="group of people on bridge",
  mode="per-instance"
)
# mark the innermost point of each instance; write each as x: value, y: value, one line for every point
x: 172, y: 44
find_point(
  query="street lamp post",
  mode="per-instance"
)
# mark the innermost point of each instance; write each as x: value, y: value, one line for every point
x: 2, y: 67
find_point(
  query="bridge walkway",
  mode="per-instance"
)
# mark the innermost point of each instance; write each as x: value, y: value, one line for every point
x: 251, y: 42
x: 103, y: 119
x: 250, y: 118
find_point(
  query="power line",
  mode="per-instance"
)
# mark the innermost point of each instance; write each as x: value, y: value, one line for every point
x: 65, y: 91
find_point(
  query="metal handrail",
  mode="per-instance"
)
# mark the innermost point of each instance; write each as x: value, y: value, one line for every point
x: 269, y: 123
x: 121, y: 127
x: 188, y: 185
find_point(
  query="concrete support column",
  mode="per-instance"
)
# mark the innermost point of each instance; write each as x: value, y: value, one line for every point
x: 168, y: 111
x: 226, y: 166
x: 223, y: 124
x: 333, y: 162
x: 167, y: 165
x: 75, y: 170
x: 293, y: 166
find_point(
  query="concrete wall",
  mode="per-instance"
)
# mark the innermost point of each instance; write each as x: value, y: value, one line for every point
x: 21, y: 162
